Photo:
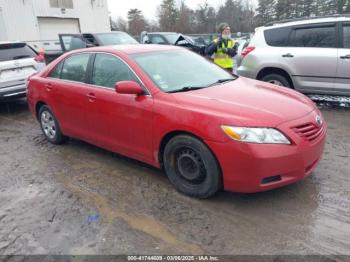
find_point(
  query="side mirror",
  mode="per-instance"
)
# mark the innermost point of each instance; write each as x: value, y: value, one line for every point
x: 128, y: 87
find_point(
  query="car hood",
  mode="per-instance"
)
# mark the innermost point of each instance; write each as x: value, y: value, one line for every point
x: 248, y: 102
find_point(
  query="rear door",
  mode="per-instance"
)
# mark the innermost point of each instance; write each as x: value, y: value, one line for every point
x: 312, y: 57
x: 66, y: 86
x: 342, y: 82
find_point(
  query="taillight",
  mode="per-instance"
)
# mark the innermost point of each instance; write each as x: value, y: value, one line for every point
x: 246, y: 51
x: 40, y: 57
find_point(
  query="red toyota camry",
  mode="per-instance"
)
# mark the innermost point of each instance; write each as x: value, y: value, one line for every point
x: 175, y: 110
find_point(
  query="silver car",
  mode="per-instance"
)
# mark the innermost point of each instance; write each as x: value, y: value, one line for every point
x: 17, y: 62
x: 312, y: 56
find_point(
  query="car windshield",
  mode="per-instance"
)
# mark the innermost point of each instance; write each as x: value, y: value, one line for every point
x: 118, y: 38
x: 171, y: 38
x: 180, y: 70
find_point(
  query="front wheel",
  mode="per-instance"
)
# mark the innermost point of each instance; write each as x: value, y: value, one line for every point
x: 191, y: 167
x: 276, y: 79
x: 50, y: 126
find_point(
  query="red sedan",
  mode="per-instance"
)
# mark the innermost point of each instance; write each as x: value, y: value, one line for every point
x: 173, y: 109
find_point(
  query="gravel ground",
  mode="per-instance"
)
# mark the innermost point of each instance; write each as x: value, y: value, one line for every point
x: 79, y: 199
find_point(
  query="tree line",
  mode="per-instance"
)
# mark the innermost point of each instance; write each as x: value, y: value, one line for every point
x: 242, y: 15
x: 272, y: 10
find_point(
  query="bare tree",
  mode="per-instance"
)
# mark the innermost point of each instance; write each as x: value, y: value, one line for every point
x: 185, y: 19
x: 167, y: 14
x: 136, y: 22
x: 119, y: 24
x: 205, y: 18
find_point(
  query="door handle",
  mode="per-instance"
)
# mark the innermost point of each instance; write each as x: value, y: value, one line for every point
x: 48, y: 87
x: 288, y: 55
x: 345, y: 57
x: 91, y: 97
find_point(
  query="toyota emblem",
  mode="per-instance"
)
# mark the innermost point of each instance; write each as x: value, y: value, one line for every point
x: 318, y: 120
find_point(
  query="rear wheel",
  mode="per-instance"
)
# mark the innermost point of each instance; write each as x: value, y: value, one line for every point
x: 191, y: 167
x: 50, y: 126
x: 276, y: 79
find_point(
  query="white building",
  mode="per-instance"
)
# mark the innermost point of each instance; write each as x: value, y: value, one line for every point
x: 39, y: 22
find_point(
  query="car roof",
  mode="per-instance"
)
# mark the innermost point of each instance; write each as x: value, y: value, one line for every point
x: 129, y: 49
x: 163, y: 33
x: 307, y: 21
x: 102, y: 33
x: 11, y: 42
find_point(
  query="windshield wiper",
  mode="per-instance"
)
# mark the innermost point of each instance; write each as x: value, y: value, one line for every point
x: 220, y: 81
x: 186, y: 88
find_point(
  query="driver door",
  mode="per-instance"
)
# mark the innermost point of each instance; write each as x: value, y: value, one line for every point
x: 120, y: 122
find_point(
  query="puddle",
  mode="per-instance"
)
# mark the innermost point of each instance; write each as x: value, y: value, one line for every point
x: 145, y: 224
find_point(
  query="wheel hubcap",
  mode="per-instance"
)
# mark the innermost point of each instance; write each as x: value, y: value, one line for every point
x: 190, y: 166
x: 48, y: 124
x: 276, y: 82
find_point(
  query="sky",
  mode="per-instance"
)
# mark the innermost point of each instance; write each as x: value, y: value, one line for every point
x: 149, y: 7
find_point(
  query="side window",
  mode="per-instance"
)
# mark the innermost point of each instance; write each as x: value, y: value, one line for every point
x: 56, y: 72
x: 346, y: 36
x: 156, y: 39
x: 109, y: 69
x: 277, y: 37
x: 315, y: 37
x: 74, y: 67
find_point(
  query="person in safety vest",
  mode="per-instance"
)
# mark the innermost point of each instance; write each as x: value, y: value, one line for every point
x: 224, y: 48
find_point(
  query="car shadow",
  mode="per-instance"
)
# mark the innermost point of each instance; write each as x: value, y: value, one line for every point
x: 13, y: 107
x: 303, y: 195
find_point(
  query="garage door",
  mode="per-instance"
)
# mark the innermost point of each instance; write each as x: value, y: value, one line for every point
x: 50, y: 27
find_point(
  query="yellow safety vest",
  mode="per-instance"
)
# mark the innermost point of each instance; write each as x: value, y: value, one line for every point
x: 222, y: 59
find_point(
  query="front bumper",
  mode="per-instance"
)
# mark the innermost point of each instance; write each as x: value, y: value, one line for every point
x: 248, y: 168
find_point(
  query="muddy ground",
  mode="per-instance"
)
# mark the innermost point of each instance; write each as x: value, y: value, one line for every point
x: 79, y: 199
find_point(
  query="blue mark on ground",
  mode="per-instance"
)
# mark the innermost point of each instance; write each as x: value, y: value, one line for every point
x: 93, y: 218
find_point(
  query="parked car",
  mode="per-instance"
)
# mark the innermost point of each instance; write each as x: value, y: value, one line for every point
x: 70, y: 42
x: 17, y: 62
x: 171, y: 108
x: 171, y: 38
x: 74, y: 41
x: 312, y: 56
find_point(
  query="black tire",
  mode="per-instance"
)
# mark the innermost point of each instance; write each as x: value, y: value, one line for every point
x: 191, y: 167
x: 50, y: 126
x: 277, y: 79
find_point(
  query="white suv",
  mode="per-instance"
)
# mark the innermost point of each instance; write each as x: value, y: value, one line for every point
x: 17, y: 62
x: 312, y: 56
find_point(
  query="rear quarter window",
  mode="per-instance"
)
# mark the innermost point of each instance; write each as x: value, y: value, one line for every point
x: 277, y: 36
x: 15, y: 51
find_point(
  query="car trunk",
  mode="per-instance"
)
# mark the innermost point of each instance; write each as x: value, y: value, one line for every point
x: 16, y: 64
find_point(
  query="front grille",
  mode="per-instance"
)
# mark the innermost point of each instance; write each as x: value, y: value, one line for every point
x: 309, y: 131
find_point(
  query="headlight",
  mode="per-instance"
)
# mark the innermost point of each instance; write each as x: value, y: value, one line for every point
x: 256, y: 135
